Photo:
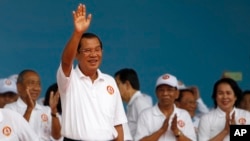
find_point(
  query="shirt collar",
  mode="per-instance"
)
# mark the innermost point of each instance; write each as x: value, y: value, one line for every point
x: 21, y: 103
x: 157, y: 111
x: 221, y: 113
x: 79, y: 73
x: 137, y: 94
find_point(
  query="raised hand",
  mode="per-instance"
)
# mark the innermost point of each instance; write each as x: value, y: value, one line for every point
x: 81, y: 20
x: 30, y: 102
x: 53, y: 101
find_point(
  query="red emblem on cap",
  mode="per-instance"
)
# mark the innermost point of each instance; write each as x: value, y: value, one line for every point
x: 181, y: 123
x: 165, y: 76
x: 7, y: 82
x: 7, y: 131
x: 44, y: 117
x: 242, y: 121
x: 110, y: 90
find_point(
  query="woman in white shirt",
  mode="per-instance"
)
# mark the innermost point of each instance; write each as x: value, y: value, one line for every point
x: 215, y: 125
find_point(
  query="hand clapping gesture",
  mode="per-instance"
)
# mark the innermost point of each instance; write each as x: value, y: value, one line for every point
x: 53, y: 101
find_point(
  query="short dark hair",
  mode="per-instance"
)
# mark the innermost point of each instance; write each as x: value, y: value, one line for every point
x: 233, y: 84
x: 130, y: 75
x: 88, y: 36
x: 181, y: 93
x: 20, y: 77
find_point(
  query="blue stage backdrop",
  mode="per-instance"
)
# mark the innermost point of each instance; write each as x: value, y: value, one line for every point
x: 195, y: 40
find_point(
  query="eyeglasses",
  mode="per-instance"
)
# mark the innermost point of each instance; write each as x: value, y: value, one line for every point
x: 91, y: 51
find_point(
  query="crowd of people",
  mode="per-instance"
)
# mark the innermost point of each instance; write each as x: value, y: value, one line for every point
x: 87, y: 104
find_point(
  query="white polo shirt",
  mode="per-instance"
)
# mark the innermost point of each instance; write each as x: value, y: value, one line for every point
x: 136, y: 104
x: 89, y: 110
x: 40, y: 119
x: 213, y: 123
x: 14, y: 127
x: 152, y: 119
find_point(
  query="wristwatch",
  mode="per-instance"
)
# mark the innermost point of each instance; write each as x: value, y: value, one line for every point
x: 55, y: 115
x: 179, y: 133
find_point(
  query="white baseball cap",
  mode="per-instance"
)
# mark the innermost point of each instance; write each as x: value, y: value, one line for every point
x: 7, y: 85
x: 167, y: 79
x: 13, y: 77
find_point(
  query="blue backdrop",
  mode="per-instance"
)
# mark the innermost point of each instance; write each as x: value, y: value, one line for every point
x: 195, y: 40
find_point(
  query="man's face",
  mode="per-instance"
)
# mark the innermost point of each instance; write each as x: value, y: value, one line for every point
x: 122, y: 88
x: 6, y: 98
x: 188, y: 102
x: 245, y: 102
x: 90, y: 55
x: 30, y: 83
x: 166, y: 95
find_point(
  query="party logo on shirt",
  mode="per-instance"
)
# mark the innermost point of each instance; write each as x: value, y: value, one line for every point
x: 110, y: 90
x: 181, y: 123
x: 44, y: 117
x: 6, y: 131
x: 242, y: 121
x: 7, y: 82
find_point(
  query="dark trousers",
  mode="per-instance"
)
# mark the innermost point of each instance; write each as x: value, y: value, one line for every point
x: 67, y: 139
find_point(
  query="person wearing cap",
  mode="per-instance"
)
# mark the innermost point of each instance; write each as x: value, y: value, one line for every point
x: 165, y: 121
x: 14, y: 127
x: 215, y: 125
x: 8, y: 91
x: 92, y: 107
x: 129, y: 86
x: 42, y: 119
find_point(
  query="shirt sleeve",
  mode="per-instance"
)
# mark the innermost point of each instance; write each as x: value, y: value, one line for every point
x: 202, y: 107
x: 141, y: 130
x: 203, y: 129
x: 62, y: 80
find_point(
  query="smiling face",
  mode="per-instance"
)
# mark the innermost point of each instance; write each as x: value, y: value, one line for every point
x: 89, y: 55
x: 31, y: 81
x: 225, y: 97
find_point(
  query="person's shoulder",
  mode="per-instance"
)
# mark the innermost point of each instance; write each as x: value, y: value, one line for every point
x: 10, y: 113
x: 106, y: 76
x: 242, y: 111
x: 10, y: 105
x: 181, y: 111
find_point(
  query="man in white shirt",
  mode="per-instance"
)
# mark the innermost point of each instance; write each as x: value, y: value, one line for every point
x: 128, y: 83
x: 165, y: 121
x: 14, y: 127
x: 42, y: 119
x: 91, y: 103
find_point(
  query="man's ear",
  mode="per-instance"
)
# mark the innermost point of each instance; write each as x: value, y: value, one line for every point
x: 127, y: 83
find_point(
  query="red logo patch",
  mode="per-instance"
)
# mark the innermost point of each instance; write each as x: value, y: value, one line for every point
x: 7, y: 82
x: 7, y: 131
x: 165, y: 76
x: 242, y: 121
x: 44, y: 117
x: 110, y: 90
x: 181, y: 123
